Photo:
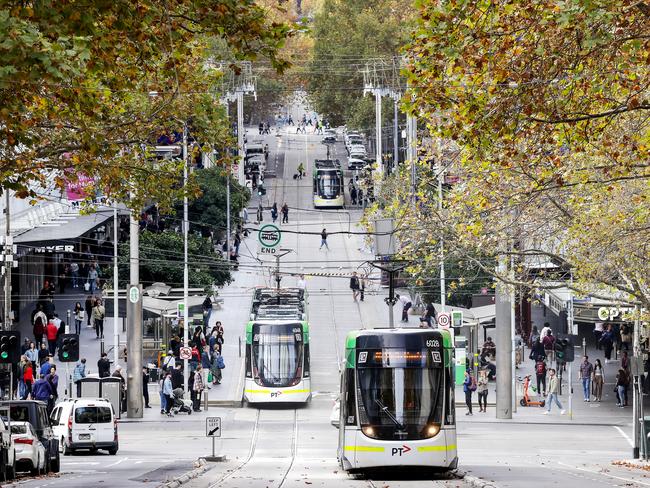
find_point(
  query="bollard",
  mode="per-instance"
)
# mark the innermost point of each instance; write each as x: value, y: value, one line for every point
x: 205, y: 399
x: 239, y: 338
x: 584, y: 346
x: 67, y: 323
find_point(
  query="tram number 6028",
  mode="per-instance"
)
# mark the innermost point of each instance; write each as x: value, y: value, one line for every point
x: 433, y: 343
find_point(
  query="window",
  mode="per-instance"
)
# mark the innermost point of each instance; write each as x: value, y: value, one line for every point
x: 56, y: 415
x: 19, y: 413
x: 350, y: 399
x: 92, y: 415
x: 18, y: 429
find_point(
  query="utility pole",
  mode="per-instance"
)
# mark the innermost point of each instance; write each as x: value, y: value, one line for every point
x: 443, y: 288
x: 116, y: 332
x: 186, y: 276
x: 504, y: 345
x: 411, y: 152
x: 240, y: 137
x: 134, y: 329
x: 395, y: 134
x: 570, y: 327
x: 228, y: 216
x: 8, y: 262
x: 637, y: 419
x: 378, y: 152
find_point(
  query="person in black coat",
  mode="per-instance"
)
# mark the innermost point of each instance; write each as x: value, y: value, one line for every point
x: 104, y: 366
x: 145, y: 386
x: 177, y: 377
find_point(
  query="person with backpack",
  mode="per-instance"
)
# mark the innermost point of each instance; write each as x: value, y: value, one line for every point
x: 540, y: 373
x: 469, y: 387
x: 482, y: 388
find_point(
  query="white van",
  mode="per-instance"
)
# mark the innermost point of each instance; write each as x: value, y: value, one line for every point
x: 85, y: 423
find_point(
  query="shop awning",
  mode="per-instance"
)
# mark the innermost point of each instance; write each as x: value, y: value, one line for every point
x: 63, y: 230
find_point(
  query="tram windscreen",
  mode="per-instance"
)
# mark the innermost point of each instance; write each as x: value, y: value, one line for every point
x: 329, y: 184
x: 400, y: 394
x: 277, y: 354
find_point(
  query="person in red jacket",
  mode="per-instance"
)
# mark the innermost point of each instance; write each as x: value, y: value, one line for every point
x: 28, y: 378
x: 51, y: 331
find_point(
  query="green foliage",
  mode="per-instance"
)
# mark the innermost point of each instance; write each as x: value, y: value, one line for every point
x: 346, y: 33
x: 161, y: 260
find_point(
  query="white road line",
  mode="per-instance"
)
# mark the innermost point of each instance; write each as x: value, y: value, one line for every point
x: 602, y: 473
x: 81, y: 463
x: 117, y: 462
x: 627, y: 437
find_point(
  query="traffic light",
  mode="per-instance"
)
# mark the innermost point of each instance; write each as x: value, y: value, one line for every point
x: 261, y: 190
x: 69, y: 348
x: 564, y: 350
x: 10, y: 347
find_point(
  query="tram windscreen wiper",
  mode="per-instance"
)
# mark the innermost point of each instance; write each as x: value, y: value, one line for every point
x: 389, y: 414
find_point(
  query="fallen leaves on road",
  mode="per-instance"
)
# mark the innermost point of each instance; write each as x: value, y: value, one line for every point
x: 633, y: 465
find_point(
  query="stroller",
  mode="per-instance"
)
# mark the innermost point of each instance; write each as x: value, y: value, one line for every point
x: 180, y: 404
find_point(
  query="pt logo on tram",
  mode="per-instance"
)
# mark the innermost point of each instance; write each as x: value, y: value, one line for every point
x: 398, y: 451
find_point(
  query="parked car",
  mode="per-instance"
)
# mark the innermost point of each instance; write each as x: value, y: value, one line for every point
x: 30, y: 452
x: 328, y: 139
x: 85, y: 423
x: 357, y: 151
x: 35, y: 413
x: 357, y: 163
x: 7, y: 453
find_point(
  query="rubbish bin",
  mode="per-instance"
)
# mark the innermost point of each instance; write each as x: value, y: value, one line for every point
x: 111, y: 389
x: 90, y: 388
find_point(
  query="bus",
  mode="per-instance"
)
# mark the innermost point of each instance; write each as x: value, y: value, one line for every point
x: 328, y: 184
x: 277, y: 348
x: 396, y: 403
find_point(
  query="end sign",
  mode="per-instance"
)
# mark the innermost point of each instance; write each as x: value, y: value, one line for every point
x: 269, y: 236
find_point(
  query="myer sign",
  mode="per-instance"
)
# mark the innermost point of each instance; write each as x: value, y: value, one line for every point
x: 53, y: 249
x: 269, y: 236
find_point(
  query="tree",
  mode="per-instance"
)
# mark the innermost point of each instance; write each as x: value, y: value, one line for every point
x: 161, y: 260
x: 76, y: 79
x: 542, y: 113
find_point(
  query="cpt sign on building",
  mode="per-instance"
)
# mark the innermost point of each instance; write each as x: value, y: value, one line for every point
x: 269, y: 236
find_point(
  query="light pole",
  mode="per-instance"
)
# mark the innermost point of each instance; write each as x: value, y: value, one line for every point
x: 186, y: 276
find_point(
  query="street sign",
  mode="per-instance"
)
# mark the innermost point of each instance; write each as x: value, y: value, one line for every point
x: 457, y: 318
x: 269, y: 236
x: 444, y: 319
x: 134, y: 294
x: 213, y: 427
x: 186, y: 353
x: 180, y: 309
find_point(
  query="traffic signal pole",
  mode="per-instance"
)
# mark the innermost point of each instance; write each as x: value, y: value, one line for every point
x: 7, y: 263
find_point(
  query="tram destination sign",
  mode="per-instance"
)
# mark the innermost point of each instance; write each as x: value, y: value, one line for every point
x: 269, y: 236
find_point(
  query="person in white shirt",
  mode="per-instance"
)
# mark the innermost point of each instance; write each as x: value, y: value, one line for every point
x: 545, y: 330
x: 302, y: 284
x: 56, y: 320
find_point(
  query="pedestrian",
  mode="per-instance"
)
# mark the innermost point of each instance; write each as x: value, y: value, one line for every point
x: 301, y: 171
x: 553, y: 388
x: 177, y: 376
x: 537, y: 351
x: 353, y: 195
x: 49, y: 308
x: 584, y: 375
x: 42, y: 390
x: 260, y: 212
x: 92, y: 278
x: 302, y: 284
x: 32, y: 355
x: 274, y: 212
x: 625, y: 363
x: 489, y: 348
x: 598, y: 380
x: 237, y: 243
x: 79, y: 315
x: 469, y: 386
x: 215, y: 361
x: 621, y: 387
x: 89, y: 304
x: 607, y: 343
x: 482, y: 389
x: 362, y: 290
x: 46, y: 367
x: 198, y: 388
x: 99, y: 312
x: 545, y: 330
x: 78, y: 374
x: 104, y: 366
x: 39, y: 329
x: 540, y: 374
x: 205, y: 365
x: 57, y: 321
x: 168, y: 393
x: 25, y: 346
x: 360, y: 197
x: 626, y: 337
x: 169, y: 363
x: 22, y: 364
x: 117, y: 373
x: 323, y: 240
x: 354, y: 286
x: 42, y: 355
x: 548, y: 342
x: 406, y: 305
x: 599, y: 328
x: 260, y: 128
x: 74, y: 272
x: 53, y: 380
x: 51, y: 331
x: 534, y: 335
x: 28, y: 379
x: 285, y: 213
x: 429, y: 314
x: 145, y: 386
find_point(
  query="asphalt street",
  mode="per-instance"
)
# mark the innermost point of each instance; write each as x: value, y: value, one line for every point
x: 296, y: 447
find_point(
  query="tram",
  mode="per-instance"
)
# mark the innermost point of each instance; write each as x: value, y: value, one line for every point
x: 277, y: 348
x: 396, y: 405
x: 328, y: 184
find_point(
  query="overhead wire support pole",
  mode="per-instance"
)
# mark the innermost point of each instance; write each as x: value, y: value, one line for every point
x: 186, y: 276
x: 8, y: 245
x: 116, y: 332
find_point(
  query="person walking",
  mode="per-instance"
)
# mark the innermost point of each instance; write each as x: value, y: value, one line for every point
x: 621, y: 387
x: 354, y: 286
x: 99, y: 312
x: 78, y: 374
x: 607, y: 342
x: 145, y: 386
x: 301, y: 171
x: 53, y: 380
x: 553, y: 388
x: 323, y: 239
x: 39, y: 329
x: 353, y: 195
x: 42, y: 355
x: 198, y: 388
x: 548, y: 342
x: 537, y: 351
x: 302, y: 284
x: 540, y: 374
x: 534, y: 336
x: 32, y: 355
x: 406, y: 305
x: 205, y: 365
x: 482, y: 389
x: 28, y: 379
x: 216, y: 365
x: 274, y: 212
x: 362, y: 289
x: 469, y: 386
x: 260, y: 212
x: 51, y: 331
x: 598, y: 379
x: 585, y: 372
x: 168, y: 393
x: 92, y: 278
x: 104, y: 366
x: 285, y: 213
x: 117, y: 373
x: 42, y: 391
x: 429, y: 314
x: 79, y: 315
x: 22, y: 364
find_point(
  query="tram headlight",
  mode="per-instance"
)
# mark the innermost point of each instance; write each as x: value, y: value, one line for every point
x: 368, y: 431
x: 431, y: 430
